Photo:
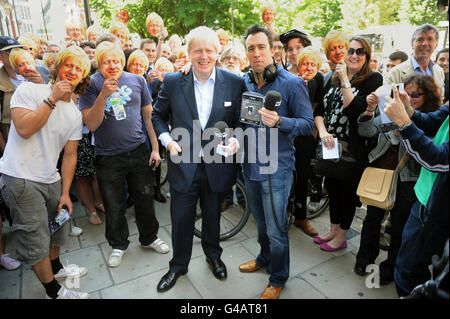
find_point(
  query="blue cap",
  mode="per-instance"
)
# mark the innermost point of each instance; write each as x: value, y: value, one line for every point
x: 8, y: 43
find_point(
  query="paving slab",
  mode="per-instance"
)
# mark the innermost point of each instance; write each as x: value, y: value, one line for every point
x: 335, y: 279
x: 138, y: 261
x: 238, y: 285
x: 144, y: 287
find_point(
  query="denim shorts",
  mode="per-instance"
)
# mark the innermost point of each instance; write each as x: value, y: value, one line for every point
x: 31, y: 206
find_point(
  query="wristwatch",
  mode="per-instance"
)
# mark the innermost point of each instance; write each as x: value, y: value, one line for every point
x: 279, y: 122
x: 404, y: 126
x: 346, y: 86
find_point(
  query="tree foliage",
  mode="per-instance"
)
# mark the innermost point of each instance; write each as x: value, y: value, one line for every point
x: 181, y: 16
x: 315, y: 16
x: 424, y: 11
x: 321, y: 16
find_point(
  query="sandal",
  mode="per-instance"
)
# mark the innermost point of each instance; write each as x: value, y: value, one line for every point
x: 100, y: 207
x: 94, y: 219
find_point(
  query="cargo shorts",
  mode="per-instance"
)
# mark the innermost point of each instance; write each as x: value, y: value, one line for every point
x: 32, y: 205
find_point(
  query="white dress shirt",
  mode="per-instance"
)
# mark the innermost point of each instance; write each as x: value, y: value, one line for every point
x: 204, y: 94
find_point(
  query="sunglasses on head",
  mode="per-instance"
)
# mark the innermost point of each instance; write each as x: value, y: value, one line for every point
x: 359, y: 51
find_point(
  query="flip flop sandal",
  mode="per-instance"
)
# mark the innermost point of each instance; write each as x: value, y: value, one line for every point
x: 100, y: 207
x: 94, y: 216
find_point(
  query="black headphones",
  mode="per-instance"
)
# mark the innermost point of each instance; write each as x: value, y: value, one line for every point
x: 269, y: 74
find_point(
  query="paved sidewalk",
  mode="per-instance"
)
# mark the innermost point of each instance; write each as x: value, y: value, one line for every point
x: 314, y: 274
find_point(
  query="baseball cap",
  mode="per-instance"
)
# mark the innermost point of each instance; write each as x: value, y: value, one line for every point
x: 294, y: 33
x: 8, y: 43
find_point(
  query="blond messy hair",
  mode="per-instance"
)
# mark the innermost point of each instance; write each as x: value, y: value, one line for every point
x: 201, y: 34
x: 164, y: 64
x: 119, y: 27
x: 176, y: 38
x: 140, y: 56
x: 310, y: 53
x: 95, y: 29
x: 108, y: 47
x: 335, y: 35
x: 47, y: 56
x: 269, y: 6
x: 154, y: 17
x: 78, y: 53
x: 75, y: 52
x: 16, y: 53
x: 28, y: 42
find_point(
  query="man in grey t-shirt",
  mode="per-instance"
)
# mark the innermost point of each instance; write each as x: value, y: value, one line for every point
x: 113, y: 108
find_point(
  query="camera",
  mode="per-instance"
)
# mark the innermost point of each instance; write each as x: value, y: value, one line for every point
x: 251, y: 104
x: 400, y: 87
x: 60, y: 220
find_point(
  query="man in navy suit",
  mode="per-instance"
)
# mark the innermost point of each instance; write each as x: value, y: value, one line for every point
x: 193, y: 104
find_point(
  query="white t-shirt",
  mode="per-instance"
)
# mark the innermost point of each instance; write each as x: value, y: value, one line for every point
x: 36, y: 158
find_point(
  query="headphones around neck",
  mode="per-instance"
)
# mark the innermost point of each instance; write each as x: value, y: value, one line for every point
x: 269, y: 74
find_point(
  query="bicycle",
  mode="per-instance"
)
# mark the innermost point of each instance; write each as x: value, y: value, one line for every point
x: 435, y: 287
x: 164, y: 153
x: 235, y: 216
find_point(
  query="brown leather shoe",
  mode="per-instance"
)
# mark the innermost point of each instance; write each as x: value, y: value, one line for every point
x: 271, y: 292
x: 250, y: 266
x: 306, y: 227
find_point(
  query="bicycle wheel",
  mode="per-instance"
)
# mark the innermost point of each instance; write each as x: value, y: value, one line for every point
x: 319, y: 203
x: 233, y: 218
x: 164, y: 159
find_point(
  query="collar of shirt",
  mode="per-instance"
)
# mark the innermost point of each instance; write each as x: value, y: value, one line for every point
x: 212, y: 77
x: 418, y: 69
x: 204, y: 94
x: 19, y: 81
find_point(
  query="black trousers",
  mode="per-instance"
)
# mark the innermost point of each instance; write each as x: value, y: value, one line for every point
x: 370, y: 234
x: 114, y: 173
x: 183, y: 212
x: 305, y: 147
x: 343, y: 201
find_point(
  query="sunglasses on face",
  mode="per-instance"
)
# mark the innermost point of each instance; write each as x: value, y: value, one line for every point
x: 414, y: 95
x: 359, y: 51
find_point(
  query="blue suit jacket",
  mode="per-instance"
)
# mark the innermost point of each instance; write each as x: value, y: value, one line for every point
x: 176, y: 102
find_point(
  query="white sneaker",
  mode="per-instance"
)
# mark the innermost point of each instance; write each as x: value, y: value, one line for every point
x: 71, y: 271
x: 159, y: 246
x: 115, y: 258
x: 65, y: 293
x: 9, y: 263
x: 76, y: 231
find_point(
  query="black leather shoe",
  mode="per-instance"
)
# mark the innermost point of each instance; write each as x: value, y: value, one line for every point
x: 158, y: 196
x: 360, y: 269
x: 218, y: 268
x: 168, y: 280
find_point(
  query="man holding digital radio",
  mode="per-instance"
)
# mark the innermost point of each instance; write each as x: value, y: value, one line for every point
x: 268, y: 186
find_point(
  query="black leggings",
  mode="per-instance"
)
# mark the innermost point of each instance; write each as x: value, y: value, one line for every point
x: 343, y: 201
x: 305, y: 147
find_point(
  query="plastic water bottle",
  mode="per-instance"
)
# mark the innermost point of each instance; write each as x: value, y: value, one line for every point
x: 117, y: 106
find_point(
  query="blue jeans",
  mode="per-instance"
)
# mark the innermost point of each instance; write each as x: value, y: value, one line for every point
x: 274, y: 243
x: 421, y: 239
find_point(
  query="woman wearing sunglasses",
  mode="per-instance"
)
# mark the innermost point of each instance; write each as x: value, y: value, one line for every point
x: 424, y: 96
x: 344, y: 100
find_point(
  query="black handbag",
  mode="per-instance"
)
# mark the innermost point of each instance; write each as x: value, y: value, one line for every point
x: 344, y: 168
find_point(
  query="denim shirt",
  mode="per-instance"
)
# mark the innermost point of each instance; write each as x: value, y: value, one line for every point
x: 296, y: 113
x: 418, y: 69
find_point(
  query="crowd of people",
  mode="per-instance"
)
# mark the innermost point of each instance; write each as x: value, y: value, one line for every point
x: 99, y: 112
